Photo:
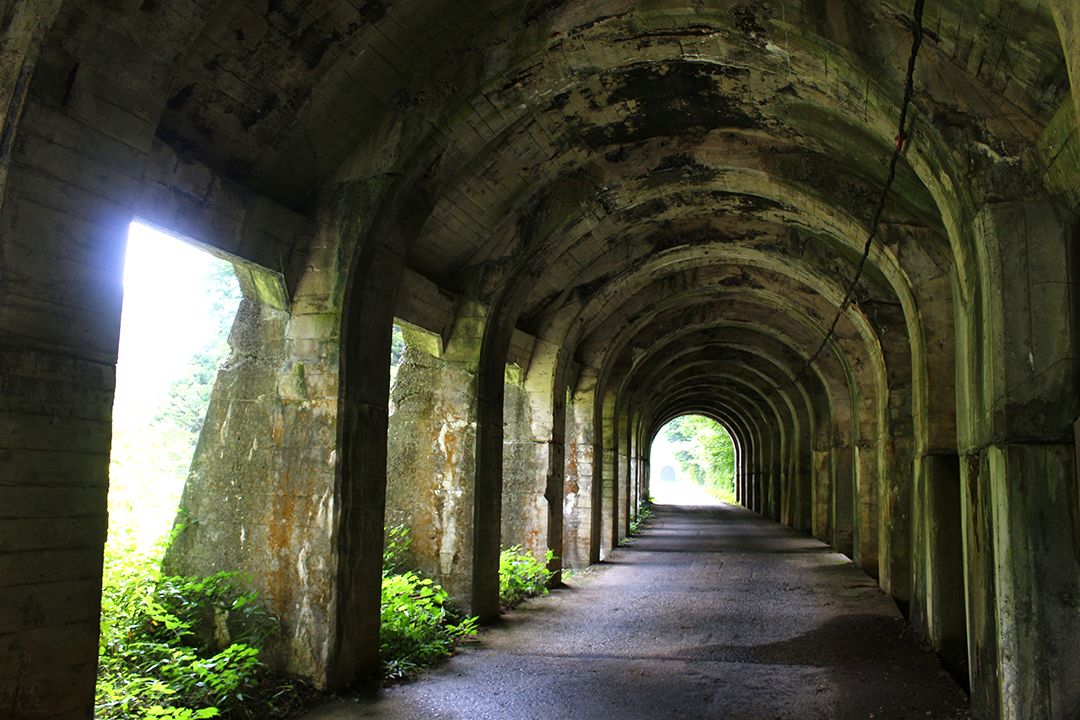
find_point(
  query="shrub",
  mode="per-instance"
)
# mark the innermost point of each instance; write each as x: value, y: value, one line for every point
x: 395, y: 545
x: 643, y: 514
x: 183, y: 648
x: 419, y: 626
x: 419, y: 623
x: 521, y: 576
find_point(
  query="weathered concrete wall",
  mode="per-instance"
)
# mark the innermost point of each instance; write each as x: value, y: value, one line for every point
x: 260, y: 495
x: 580, y: 536
x: 67, y: 168
x: 1018, y: 376
x: 525, y: 460
x: 431, y: 445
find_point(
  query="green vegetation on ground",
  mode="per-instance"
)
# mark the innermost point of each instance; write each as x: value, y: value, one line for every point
x: 643, y: 514
x: 184, y: 647
x: 705, y: 453
x: 522, y: 576
x: 419, y: 623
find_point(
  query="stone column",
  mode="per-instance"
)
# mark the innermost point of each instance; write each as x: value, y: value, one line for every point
x: 1020, y: 500
x: 525, y: 470
x: 581, y: 538
x: 431, y: 455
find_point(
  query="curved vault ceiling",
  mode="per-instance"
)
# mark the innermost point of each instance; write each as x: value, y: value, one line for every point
x: 675, y: 194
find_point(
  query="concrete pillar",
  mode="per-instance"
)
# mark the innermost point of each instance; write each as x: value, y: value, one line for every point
x: 894, y: 517
x: 623, y: 476
x: 842, y: 510
x: 804, y: 480
x: 581, y: 531
x: 608, y: 456
x: 1019, y: 501
x: 431, y: 458
x: 776, y: 474
x: 865, y: 521
x: 260, y: 493
x: 822, y: 491
x: 525, y: 471
x: 937, y: 593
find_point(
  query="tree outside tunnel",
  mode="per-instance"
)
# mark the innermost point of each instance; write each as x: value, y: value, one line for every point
x: 692, y: 462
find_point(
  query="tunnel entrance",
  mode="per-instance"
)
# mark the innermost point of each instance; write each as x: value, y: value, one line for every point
x: 693, y: 463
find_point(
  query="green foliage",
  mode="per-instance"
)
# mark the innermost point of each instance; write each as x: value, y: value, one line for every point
x: 705, y: 452
x: 397, y: 346
x: 189, y: 394
x: 521, y: 575
x: 419, y: 626
x: 182, y: 647
x: 395, y: 544
x: 643, y: 514
x: 419, y: 623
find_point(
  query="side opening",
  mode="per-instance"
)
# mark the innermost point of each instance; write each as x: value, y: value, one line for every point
x: 179, y: 306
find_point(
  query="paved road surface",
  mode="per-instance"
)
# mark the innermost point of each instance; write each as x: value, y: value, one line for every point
x: 712, y: 613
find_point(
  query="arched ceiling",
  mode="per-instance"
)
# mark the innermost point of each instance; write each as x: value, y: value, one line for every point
x: 610, y: 173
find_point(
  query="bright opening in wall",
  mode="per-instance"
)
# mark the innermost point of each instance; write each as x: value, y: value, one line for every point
x: 692, y: 462
x: 397, y: 349
x: 179, y: 305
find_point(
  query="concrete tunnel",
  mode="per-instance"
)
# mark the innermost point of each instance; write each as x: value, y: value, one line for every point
x: 590, y: 218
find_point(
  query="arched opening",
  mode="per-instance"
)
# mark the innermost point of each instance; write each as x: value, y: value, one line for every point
x: 692, y: 462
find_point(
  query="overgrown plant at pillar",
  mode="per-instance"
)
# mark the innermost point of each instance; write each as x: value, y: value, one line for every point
x: 643, y: 514
x: 183, y: 647
x: 522, y: 576
x: 419, y: 623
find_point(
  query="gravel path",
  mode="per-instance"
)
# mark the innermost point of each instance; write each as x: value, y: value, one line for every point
x: 712, y: 613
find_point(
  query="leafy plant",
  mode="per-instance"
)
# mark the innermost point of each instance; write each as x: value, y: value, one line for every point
x: 419, y: 623
x: 419, y: 626
x: 521, y: 575
x: 395, y: 544
x: 182, y: 648
x: 643, y: 514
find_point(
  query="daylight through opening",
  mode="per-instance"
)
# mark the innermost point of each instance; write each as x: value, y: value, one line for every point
x: 179, y: 306
x: 692, y: 462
